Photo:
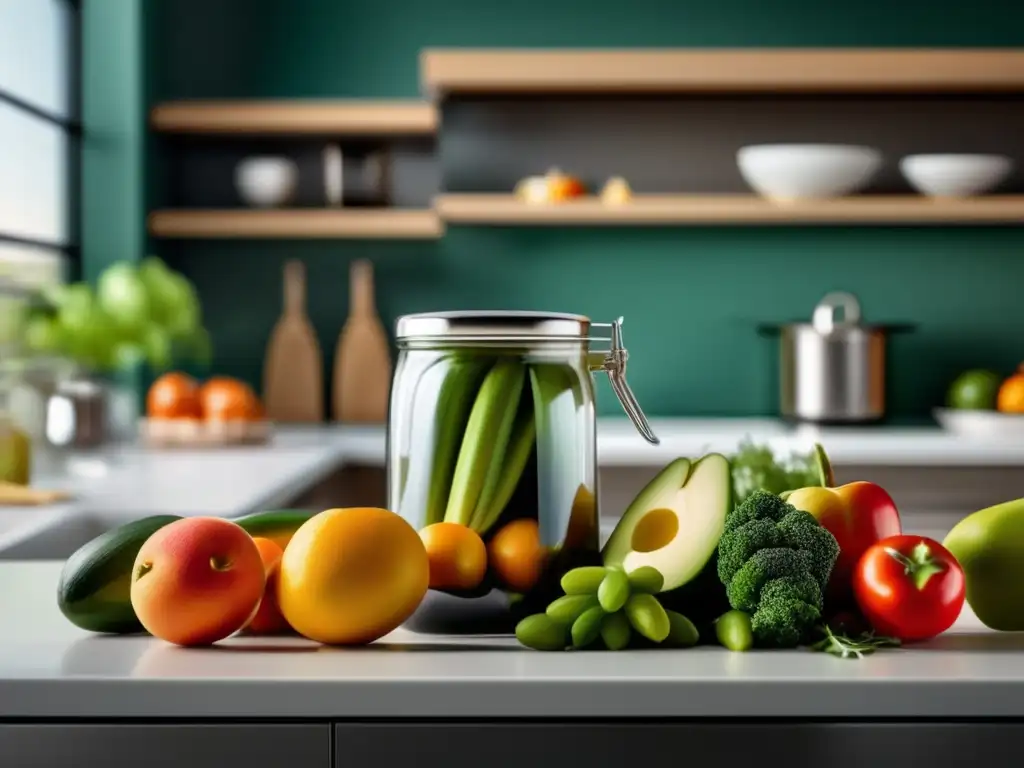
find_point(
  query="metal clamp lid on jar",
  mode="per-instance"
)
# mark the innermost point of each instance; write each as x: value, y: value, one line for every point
x: 534, y: 327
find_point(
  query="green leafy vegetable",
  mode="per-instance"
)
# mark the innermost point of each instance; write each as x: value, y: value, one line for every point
x: 756, y: 467
x: 136, y: 313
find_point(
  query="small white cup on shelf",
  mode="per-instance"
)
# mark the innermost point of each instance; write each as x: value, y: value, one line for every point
x: 267, y: 181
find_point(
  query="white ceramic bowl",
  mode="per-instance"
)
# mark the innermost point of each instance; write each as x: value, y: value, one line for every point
x: 786, y: 172
x: 955, y: 175
x: 990, y: 425
x: 266, y: 182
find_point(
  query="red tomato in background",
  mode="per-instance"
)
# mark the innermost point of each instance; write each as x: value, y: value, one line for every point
x: 909, y: 587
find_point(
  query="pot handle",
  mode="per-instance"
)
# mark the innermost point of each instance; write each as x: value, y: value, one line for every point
x: 824, y: 318
x: 613, y: 362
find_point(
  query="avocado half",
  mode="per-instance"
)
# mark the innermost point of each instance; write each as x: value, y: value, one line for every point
x: 675, y: 522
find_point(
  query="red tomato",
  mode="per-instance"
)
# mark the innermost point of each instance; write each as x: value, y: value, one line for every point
x: 909, y: 587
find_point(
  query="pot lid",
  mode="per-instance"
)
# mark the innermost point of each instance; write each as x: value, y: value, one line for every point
x: 838, y: 312
x: 492, y: 324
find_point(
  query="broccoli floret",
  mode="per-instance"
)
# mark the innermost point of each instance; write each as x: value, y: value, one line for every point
x: 737, y: 545
x: 784, y: 613
x: 744, y: 589
x: 775, y: 561
x: 760, y: 505
x: 800, y: 530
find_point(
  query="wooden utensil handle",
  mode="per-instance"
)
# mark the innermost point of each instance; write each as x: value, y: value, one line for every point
x: 361, y: 300
x: 294, y: 286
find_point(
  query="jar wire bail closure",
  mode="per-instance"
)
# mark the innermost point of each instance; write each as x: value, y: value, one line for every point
x: 613, y: 362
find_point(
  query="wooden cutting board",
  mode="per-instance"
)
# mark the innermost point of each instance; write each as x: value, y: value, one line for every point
x: 12, y: 494
x: 293, y: 368
x: 362, y: 360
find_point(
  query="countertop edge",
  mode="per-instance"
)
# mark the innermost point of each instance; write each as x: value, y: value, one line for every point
x: 434, y: 699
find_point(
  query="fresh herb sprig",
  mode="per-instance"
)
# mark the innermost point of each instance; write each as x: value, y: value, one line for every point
x: 856, y: 647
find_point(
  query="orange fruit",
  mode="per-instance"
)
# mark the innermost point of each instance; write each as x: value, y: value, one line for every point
x: 225, y: 399
x: 350, y: 576
x: 516, y: 555
x: 458, y: 557
x: 268, y: 619
x: 173, y: 396
x: 1011, y: 393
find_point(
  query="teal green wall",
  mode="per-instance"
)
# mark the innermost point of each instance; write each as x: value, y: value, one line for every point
x: 114, y: 135
x: 690, y: 295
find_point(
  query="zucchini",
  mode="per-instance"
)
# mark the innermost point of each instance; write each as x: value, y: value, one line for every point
x: 94, y: 591
x: 277, y: 525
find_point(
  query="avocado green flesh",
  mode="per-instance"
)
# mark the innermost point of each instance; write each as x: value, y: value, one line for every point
x: 689, y: 503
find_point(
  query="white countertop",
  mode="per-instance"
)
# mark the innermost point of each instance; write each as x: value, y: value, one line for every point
x: 618, y: 443
x: 49, y: 668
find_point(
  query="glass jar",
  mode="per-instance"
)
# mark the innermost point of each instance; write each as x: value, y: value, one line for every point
x: 492, y: 428
x: 15, y: 452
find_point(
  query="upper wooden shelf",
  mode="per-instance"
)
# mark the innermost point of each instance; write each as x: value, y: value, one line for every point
x: 653, y: 210
x: 296, y: 118
x: 298, y: 224
x: 505, y: 71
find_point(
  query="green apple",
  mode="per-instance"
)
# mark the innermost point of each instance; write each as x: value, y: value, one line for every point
x: 989, y: 545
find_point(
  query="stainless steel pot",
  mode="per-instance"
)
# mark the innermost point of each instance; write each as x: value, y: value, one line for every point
x: 833, y: 369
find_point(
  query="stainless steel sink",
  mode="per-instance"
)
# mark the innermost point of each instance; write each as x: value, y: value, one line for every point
x: 60, y: 540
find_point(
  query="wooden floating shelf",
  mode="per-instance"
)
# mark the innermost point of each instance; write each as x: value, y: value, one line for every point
x: 502, y: 71
x: 296, y: 118
x: 504, y: 210
x: 354, y: 223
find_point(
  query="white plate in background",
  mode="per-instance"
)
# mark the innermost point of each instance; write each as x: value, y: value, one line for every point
x: 973, y: 423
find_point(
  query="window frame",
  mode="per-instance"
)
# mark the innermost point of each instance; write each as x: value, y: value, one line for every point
x: 71, y: 126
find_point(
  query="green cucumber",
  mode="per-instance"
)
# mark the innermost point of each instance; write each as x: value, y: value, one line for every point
x: 94, y: 591
x: 277, y: 525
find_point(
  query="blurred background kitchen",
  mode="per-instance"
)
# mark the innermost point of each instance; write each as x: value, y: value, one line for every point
x: 170, y: 201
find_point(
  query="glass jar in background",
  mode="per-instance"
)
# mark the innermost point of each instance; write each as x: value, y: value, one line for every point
x: 15, y: 444
x: 492, y: 457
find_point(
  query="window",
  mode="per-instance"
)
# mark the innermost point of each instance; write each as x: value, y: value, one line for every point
x: 39, y: 140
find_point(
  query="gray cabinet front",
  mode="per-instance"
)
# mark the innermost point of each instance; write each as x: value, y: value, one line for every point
x: 165, y: 746
x: 615, y: 745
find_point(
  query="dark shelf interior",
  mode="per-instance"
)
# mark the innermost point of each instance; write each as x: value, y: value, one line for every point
x: 666, y: 144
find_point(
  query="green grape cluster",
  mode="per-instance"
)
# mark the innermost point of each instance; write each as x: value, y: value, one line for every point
x: 606, y: 607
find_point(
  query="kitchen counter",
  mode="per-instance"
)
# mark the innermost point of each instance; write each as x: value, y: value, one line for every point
x: 50, y: 669
x: 619, y: 444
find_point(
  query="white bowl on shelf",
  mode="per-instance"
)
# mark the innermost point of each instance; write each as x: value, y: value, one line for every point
x: 789, y: 172
x: 266, y: 182
x: 991, y: 425
x: 955, y: 175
